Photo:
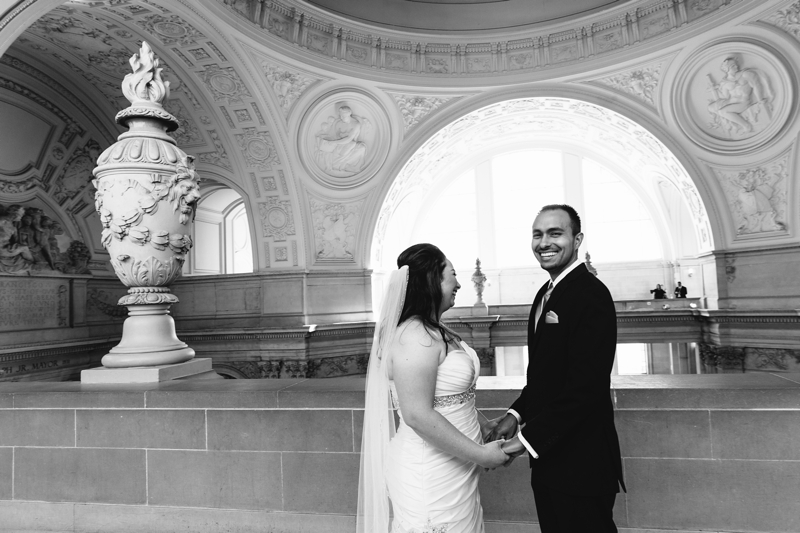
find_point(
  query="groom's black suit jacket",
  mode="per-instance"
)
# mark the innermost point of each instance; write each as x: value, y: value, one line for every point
x: 566, y: 404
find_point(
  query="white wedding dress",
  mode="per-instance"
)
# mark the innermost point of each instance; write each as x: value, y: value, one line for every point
x: 431, y: 491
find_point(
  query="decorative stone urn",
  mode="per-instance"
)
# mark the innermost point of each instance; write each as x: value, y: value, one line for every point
x: 146, y: 196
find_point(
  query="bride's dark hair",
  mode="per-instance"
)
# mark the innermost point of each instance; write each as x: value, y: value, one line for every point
x: 426, y: 265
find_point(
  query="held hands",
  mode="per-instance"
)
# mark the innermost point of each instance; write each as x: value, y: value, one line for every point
x: 505, y: 429
x: 494, y: 455
x: 488, y: 427
x: 512, y: 448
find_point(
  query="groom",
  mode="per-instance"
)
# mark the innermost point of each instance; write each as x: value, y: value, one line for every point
x: 565, y: 409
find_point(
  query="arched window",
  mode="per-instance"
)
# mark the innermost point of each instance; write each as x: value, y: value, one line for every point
x: 486, y: 212
x: 222, y: 242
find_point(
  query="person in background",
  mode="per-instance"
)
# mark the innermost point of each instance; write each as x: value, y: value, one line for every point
x: 680, y: 291
x: 659, y: 293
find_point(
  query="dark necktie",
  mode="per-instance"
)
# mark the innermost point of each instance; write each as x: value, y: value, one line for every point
x: 540, y: 309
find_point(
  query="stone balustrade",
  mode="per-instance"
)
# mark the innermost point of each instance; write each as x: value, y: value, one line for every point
x: 712, y: 453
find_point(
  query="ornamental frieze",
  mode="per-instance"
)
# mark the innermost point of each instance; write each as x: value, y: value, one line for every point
x: 629, y: 24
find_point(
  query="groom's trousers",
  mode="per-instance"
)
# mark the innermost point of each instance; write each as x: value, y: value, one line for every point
x: 570, y: 513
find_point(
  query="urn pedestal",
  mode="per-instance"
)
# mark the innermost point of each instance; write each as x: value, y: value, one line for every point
x: 146, y: 196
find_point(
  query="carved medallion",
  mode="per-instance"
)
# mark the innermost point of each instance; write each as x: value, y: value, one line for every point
x: 344, y: 139
x: 225, y: 84
x: 258, y: 149
x: 276, y: 218
x: 733, y: 97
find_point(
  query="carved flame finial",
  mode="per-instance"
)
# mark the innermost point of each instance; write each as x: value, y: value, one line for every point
x: 144, y: 84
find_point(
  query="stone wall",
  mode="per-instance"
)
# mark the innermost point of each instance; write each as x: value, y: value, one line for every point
x: 711, y: 453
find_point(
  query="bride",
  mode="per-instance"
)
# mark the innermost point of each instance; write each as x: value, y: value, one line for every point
x: 425, y: 470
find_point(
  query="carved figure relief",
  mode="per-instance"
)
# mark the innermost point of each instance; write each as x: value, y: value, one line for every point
x: 335, y: 226
x: 741, y: 101
x: 340, y: 142
x: 734, y: 97
x: 344, y: 138
x: 29, y: 242
x: 757, y: 196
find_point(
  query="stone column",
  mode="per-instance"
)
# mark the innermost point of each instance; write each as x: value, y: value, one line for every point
x: 146, y: 196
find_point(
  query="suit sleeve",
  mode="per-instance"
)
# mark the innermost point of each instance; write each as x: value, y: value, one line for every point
x: 587, y: 359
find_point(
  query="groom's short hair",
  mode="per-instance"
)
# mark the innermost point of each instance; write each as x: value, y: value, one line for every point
x: 574, y: 219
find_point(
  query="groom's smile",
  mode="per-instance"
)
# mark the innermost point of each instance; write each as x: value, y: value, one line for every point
x: 553, y: 243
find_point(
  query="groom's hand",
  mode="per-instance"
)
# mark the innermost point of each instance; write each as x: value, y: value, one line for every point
x: 513, y: 448
x: 505, y: 429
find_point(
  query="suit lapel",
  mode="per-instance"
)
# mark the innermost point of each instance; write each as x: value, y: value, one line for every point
x: 560, y: 288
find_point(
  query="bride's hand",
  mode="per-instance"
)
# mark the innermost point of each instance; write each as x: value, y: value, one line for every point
x: 494, y: 455
x: 488, y: 426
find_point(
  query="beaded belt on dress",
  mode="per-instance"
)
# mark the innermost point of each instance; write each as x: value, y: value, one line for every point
x: 443, y: 401
x: 454, y: 399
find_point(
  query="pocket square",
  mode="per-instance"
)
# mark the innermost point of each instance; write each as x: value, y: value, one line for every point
x: 551, y: 318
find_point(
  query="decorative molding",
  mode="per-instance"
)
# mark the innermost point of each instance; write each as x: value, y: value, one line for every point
x: 287, y: 84
x: 277, y: 220
x: 787, y: 19
x: 171, y: 29
x: 218, y: 157
x: 415, y: 108
x: 609, y: 30
x: 224, y: 84
x: 258, y: 149
x: 643, y: 82
x: 60, y: 89
x: 335, y: 226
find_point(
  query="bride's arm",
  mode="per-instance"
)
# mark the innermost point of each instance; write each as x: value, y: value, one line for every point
x: 415, y: 359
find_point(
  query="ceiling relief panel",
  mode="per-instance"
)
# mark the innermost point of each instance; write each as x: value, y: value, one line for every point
x: 170, y: 29
x: 414, y: 108
x: 344, y: 139
x: 224, y: 84
x: 757, y: 197
x: 733, y: 97
x: 642, y: 83
x: 787, y: 19
x: 258, y: 149
x: 335, y: 228
x: 286, y: 84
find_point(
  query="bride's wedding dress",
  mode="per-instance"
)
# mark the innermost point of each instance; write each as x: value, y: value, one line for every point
x: 431, y: 491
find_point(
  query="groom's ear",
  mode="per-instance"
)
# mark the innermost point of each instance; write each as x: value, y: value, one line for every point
x: 578, y: 240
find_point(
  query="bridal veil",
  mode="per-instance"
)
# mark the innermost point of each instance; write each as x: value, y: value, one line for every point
x: 379, y: 427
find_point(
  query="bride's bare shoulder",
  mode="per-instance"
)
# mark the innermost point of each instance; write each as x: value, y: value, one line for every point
x: 414, y: 332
